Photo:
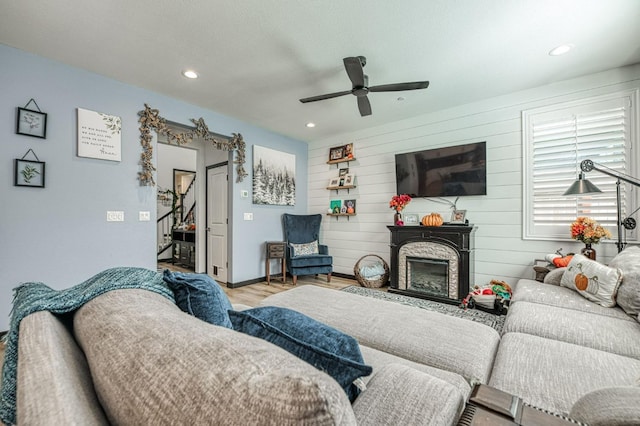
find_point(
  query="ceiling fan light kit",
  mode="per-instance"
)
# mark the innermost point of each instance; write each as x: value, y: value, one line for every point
x: 354, y: 65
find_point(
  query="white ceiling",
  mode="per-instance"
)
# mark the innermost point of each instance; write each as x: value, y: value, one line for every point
x: 256, y: 58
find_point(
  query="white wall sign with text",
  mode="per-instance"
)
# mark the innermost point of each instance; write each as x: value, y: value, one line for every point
x: 99, y: 135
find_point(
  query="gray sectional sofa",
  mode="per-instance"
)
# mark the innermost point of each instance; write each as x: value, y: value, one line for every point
x: 131, y: 356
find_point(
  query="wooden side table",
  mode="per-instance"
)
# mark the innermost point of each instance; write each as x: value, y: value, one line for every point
x: 275, y: 250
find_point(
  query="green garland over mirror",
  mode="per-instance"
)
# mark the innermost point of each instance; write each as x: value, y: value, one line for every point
x: 151, y: 120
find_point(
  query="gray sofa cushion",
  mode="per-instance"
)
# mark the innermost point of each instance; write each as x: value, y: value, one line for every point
x: 400, y: 395
x: 378, y: 359
x: 55, y: 386
x: 548, y: 294
x: 158, y: 365
x: 415, y: 334
x: 628, y: 261
x: 553, y: 375
x: 609, y: 407
x: 581, y: 328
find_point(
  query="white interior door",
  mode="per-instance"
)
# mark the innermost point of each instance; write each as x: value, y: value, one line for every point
x: 217, y: 223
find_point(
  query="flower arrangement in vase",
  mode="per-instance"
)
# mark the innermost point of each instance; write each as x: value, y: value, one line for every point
x: 398, y: 203
x: 589, y: 232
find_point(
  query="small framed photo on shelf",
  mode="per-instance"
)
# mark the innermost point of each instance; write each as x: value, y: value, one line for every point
x: 350, y: 206
x: 349, y: 180
x: 348, y: 151
x: 31, y: 123
x: 334, y: 181
x: 344, y: 171
x: 28, y: 173
x: 336, y: 153
x: 457, y: 216
x: 411, y: 219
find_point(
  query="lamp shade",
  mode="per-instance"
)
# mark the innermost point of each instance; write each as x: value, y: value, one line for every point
x: 581, y: 186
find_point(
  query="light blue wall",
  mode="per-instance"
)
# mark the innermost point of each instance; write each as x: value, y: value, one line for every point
x: 59, y: 234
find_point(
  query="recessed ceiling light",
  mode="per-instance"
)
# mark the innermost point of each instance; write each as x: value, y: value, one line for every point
x: 310, y: 124
x: 561, y: 50
x: 190, y: 74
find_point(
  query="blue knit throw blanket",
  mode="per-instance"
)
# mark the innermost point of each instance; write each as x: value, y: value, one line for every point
x: 34, y: 297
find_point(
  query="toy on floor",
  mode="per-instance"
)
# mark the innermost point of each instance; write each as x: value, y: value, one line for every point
x: 495, y: 297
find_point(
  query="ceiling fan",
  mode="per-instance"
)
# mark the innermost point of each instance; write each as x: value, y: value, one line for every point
x: 360, y: 81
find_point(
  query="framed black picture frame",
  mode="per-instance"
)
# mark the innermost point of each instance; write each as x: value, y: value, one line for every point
x: 31, y: 123
x: 29, y: 173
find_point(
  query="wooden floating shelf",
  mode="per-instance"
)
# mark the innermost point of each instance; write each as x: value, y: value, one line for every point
x: 331, y: 188
x: 342, y: 160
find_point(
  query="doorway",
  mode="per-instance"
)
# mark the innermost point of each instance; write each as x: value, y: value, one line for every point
x: 211, y: 248
x: 217, y: 222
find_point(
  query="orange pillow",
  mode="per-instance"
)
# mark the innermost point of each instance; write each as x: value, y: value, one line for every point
x: 560, y: 262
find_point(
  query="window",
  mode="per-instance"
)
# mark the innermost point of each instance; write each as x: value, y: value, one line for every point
x: 555, y: 141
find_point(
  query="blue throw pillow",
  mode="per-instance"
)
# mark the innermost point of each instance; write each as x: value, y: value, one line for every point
x: 201, y: 296
x: 322, y: 346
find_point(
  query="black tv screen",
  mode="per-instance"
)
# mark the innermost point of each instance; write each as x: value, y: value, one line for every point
x: 450, y: 171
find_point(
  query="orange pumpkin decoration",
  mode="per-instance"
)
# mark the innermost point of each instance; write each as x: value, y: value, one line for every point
x: 433, y: 219
x: 581, y: 281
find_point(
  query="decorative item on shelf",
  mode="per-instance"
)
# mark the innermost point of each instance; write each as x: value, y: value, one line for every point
x: 398, y: 203
x: 589, y: 232
x: 335, y: 206
x: 31, y: 122
x: 433, y: 219
x: 336, y: 153
x: 411, y: 219
x: 457, y: 216
x: 351, y: 206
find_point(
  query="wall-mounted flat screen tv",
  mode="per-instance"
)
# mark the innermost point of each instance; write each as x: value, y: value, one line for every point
x: 441, y: 172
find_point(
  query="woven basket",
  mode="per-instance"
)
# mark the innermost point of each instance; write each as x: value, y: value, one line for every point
x: 365, y: 282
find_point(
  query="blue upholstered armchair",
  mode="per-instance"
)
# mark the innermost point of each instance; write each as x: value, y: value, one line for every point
x: 304, y: 253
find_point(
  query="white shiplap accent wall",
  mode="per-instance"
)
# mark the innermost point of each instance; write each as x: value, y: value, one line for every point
x: 501, y: 253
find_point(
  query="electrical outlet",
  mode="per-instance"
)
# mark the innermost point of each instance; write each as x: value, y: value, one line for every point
x: 115, y: 216
x: 248, y: 216
x: 144, y: 216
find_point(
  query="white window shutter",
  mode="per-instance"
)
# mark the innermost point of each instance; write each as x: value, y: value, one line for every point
x: 555, y: 140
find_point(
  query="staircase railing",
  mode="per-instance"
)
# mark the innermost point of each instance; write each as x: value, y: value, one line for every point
x: 188, y: 200
x: 165, y: 230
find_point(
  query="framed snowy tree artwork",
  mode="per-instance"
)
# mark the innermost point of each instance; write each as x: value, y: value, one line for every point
x: 274, y: 177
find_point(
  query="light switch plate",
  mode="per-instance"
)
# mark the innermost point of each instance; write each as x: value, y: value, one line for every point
x: 144, y: 216
x: 115, y: 216
x: 244, y: 193
x: 248, y: 216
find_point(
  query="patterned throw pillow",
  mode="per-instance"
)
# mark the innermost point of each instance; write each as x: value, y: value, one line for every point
x: 322, y: 346
x: 628, y: 261
x: 304, y: 249
x: 594, y: 281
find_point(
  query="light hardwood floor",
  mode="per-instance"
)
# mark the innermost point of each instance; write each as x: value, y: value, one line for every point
x: 251, y: 295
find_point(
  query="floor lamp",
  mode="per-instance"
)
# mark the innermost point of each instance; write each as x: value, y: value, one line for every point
x: 583, y: 186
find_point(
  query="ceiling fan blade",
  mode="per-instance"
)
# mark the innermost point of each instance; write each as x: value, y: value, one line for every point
x: 354, y: 70
x: 399, y: 86
x: 364, y: 106
x: 327, y: 96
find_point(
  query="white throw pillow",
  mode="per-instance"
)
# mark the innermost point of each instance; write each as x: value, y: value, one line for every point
x: 304, y: 249
x: 594, y: 281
